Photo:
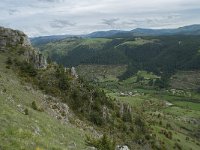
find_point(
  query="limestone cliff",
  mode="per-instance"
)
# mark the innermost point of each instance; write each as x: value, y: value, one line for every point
x: 14, y: 38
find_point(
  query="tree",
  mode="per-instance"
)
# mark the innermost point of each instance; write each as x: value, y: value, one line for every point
x: 9, y: 61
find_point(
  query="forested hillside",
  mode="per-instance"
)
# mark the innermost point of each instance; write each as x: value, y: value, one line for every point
x: 162, y: 55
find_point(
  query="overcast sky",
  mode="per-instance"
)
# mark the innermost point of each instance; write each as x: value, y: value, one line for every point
x: 50, y: 17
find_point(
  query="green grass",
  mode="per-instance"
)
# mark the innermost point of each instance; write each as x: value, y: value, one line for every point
x: 101, y: 73
x: 180, y: 116
x: 138, y: 42
x: 181, y: 112
x: 177, y: 137
x: 95, y: 43
x: 187, y: 80
x: 132, y: 100
x: 37, y: 129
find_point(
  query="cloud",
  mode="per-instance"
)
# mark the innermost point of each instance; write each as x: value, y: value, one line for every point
x: 61, y: 23
x: 51, y: 1
x: 110, y: 22
x: 12, y: 11
x: 44, y: 17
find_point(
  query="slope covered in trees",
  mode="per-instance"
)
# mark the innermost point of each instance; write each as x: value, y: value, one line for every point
x: 162, y: 55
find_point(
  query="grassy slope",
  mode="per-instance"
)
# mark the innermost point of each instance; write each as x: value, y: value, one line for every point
x: 137, y: 42
x: 186, y: 80
x: 64, y: 46
x: 101, y: 73
x: 180, y: 117
x: 38, y: 129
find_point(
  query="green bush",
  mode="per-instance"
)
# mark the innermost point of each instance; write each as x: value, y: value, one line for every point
x: 34, y: 105
x: 103, y: 143
x: 9, y: 61
x: 96, y: 118
x: 26, y: 111
x: 28, y: 68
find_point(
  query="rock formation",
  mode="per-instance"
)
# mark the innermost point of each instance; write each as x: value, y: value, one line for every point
x: 73, y: 72
x: 13, y: 38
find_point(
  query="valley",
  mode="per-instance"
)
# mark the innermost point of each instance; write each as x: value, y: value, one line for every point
x: 167, y: 111
x: 99, y: 93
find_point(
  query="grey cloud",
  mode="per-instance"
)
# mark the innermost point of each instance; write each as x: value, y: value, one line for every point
x: 84, y: 16
x: 110, y: 22
x: 12, y: 11
x: 51, y: 0
x: 61, y: 23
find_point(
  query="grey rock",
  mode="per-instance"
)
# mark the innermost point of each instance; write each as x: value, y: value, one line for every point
x: 122, y: 147
x: 73, y: 72
x: 12, y: 38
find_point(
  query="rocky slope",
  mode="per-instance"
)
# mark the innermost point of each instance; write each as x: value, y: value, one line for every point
x: 29, y: 118
x: 13, y: 38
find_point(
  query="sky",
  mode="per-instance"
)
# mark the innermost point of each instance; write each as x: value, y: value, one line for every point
x: 55, y: 17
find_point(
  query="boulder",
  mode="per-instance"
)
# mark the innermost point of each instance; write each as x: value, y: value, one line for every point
x: 122, y: 147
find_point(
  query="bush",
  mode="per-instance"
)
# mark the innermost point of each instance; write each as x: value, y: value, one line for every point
x: 28, y: 69
x: 34, y: 106
x: 96, y: 118
x: 198, y: 90
x: 26, y: 111
x: 103, y: 143
x: 162, y: 83
x: 9, y: 61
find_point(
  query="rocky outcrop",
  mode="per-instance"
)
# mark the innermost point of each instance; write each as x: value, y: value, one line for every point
x: 124, y: 109
x: 122, y: 147
x: 73, y: 72
x: 9, y: 37
x: 13, y: 38
x: 34, y: 56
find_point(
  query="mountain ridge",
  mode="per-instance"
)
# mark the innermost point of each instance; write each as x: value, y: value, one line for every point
x: 185, y: 30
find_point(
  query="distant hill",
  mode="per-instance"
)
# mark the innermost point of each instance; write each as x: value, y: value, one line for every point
x: 161, y: 54
x: 186, y: 30
x: 46, y: 39
x: 105, y: 34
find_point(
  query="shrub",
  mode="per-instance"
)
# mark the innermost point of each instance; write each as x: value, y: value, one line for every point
x: 104, y: 143
x: 96, y: 118
x: 198, y: 90
x: 26, y: 111
x: 34, y: 106
x: 63, y: 83
x: 7, y: 67
x: 176, y: 145
x: 28, y: 69
x: 9, y: 61
x: 168, y: 126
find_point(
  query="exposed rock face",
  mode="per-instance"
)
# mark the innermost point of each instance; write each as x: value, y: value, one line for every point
x: 73, y: 72
x: 36, y: 58
x: 14, y: 38
x: 124, y: 108
x: 123, y: 147
x: 9, y: 37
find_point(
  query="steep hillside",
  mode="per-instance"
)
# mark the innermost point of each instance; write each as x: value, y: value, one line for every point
x: 22, y: 126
